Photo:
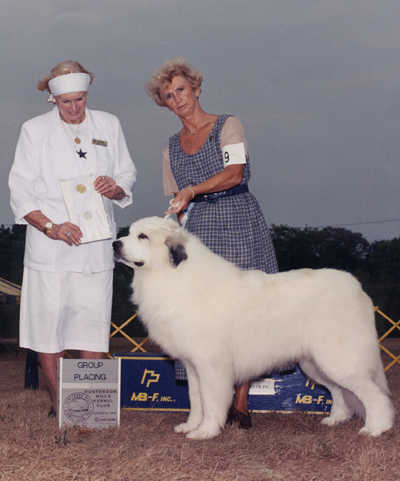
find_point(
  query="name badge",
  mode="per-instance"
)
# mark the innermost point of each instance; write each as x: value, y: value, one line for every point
x: 104, y: 143
x: 234, y: 154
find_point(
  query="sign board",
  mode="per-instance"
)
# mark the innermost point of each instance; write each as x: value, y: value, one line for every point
x: 148, y: 383
x: 89, y: 392
x: 289, y: 391
x: 153, y: 382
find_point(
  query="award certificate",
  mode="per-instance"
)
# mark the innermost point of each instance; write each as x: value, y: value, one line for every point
x: 86, y: 209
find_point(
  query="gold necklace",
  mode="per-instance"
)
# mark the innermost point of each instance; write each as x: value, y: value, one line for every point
x: 74, y: 128
x: 72, y: 131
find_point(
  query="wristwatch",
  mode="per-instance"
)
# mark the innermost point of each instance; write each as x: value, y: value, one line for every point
x: 47, y: 227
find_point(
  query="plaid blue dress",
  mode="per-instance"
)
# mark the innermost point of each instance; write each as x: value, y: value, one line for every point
x: 233, y: 227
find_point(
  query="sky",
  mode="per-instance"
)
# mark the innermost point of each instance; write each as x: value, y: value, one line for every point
x: 316, y: 84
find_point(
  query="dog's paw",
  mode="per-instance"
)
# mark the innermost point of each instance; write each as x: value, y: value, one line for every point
x: 332, y: 420
x: 329, y: 421
x: 368, y: 432
x: 203, y: 433
x: 374, y: 431
x: 183, y: 428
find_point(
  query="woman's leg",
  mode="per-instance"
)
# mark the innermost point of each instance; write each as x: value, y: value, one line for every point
x: 92, y: 355
x: 239, y: 411
x: 241, y: 399
x: 48, y: 363
x: 241, y: 406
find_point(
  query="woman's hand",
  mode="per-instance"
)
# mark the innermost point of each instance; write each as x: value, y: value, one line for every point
x: 226, y: 179
x: 67, y: 232
x: 181, y: 200
x: 107, y: 186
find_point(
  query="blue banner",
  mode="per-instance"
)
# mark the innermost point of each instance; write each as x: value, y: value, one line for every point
x: 148, y: 382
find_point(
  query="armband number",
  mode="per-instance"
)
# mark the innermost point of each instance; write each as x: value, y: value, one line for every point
x: 234, y: 154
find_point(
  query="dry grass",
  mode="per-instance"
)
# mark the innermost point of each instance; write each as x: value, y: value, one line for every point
x: 280, y: 447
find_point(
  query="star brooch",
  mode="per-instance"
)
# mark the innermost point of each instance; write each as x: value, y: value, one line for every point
x: 81, y: 154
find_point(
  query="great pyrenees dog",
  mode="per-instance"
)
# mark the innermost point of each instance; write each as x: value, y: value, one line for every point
x: 229, y: 325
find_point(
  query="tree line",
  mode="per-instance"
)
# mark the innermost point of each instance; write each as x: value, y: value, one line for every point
x: 375, y: 264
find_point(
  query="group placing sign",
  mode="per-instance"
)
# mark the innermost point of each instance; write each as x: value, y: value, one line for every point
x: 89, y: 392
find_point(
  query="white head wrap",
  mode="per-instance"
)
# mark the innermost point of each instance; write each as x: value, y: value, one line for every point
x: 70, y: 82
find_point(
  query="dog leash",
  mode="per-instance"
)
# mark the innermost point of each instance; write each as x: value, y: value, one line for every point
x: 186, y: 214
x: 171, y: 204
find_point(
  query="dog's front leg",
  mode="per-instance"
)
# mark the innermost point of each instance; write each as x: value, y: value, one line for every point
x: 216, y: 390
x: 196, y: 409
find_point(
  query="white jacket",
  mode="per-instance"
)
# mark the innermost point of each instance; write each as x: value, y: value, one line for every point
x: 44, y: 156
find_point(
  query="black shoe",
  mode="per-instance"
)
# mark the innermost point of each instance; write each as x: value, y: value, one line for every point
x: 244, y: 420
x: 234, y: 415
x: 52, y: 413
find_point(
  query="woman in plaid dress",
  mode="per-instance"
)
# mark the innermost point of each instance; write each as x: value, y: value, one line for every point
x: 206, y: 168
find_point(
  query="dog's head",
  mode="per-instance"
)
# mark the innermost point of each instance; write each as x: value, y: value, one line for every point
x: 152, y: 243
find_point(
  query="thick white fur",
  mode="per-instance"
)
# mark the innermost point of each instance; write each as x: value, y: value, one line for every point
x: 228, y: 326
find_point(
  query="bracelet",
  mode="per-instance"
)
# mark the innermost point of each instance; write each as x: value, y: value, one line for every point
x: 191, y: 189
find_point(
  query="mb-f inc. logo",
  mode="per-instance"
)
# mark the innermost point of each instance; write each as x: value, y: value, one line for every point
x: 149, y: 376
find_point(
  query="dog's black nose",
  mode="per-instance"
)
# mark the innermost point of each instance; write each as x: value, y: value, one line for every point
x: 117, y: 246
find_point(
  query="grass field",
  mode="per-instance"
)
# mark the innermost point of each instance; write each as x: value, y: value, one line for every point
x: 280, y: 447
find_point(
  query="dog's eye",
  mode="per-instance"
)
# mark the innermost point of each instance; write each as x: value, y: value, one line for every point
x: 142, y: 236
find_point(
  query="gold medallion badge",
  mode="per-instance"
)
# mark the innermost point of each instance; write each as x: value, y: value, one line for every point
x: 81, y: 188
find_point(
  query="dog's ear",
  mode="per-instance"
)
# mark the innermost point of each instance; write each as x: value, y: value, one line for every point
x: 177, y: 251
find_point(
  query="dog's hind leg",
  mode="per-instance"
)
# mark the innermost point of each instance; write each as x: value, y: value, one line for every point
x: 196, y: 409
x: 216, y: 389
x: 340, y: 410
x: 379, y: 414
x: 356, y: 387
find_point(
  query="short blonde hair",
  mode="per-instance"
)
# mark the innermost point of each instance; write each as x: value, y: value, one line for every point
x: 62, y: 68
x: 164, y: 75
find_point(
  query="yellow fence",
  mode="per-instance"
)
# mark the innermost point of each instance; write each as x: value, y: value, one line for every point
x: 134, y: 344
x: 139, y: 345
x: 385, y: 347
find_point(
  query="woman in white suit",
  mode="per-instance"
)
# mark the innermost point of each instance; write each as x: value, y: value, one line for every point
x: 67, y: 283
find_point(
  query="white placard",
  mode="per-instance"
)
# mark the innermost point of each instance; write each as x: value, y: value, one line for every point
x: 264, y: 387
x: 86, y: 209
x: 89, y: 392
x: 234, y: 154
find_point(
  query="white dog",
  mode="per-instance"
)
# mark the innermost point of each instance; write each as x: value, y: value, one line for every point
x: 228, y: 326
